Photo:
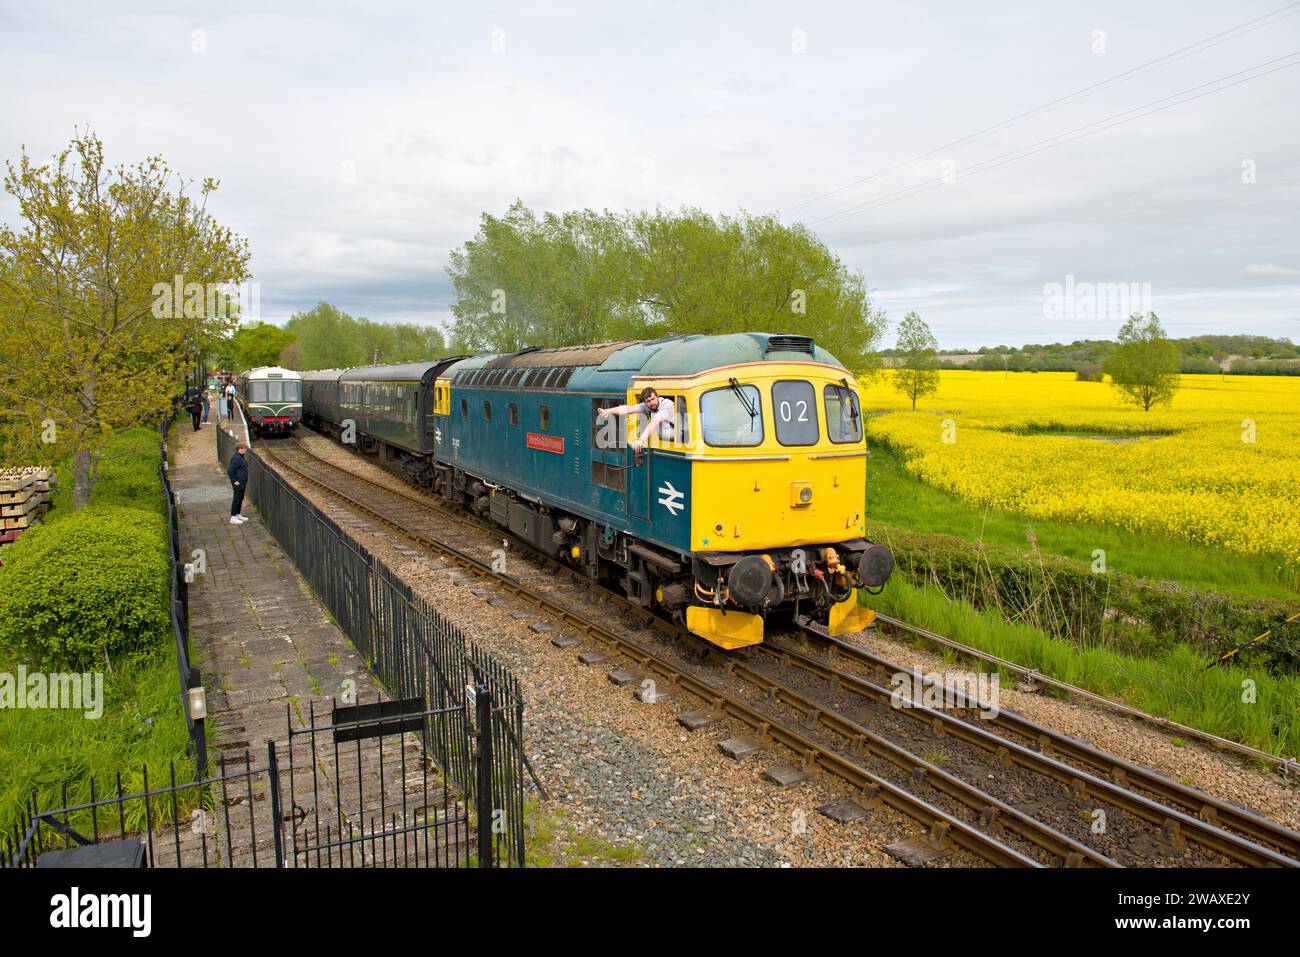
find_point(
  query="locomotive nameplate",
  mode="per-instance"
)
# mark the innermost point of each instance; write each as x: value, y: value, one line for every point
x: 545, y: 443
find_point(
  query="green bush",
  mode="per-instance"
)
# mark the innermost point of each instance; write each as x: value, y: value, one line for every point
x: 92, y: 586
x: 1089, y: 372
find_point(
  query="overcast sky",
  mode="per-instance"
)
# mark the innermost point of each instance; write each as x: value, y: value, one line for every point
x: 357, y: 143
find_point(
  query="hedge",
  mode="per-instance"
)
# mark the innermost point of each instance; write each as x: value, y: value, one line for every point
x: 1066, y: 599
x: 89, y: 589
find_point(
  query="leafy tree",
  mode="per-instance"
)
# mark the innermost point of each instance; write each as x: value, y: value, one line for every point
x: 109, y: 288
x: 917, y: 372
x: 326, y: 337
x: 1145, y: 367
x: 259, y: 345
x: 583, y: 276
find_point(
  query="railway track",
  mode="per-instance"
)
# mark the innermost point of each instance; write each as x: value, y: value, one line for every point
x: 955, y: 811
x: 1002, y: 732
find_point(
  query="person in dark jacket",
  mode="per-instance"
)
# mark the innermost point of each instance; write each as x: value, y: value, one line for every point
x: 238, y: 472
x: 196, y: 408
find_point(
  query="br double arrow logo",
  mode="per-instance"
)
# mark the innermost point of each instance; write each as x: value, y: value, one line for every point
x: 672, y: 498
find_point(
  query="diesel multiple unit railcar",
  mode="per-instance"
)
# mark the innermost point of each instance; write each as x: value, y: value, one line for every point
x: 271, y: 398
x: 753, y: 506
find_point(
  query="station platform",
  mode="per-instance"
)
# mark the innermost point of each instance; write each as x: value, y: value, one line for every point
x: 259, y: 636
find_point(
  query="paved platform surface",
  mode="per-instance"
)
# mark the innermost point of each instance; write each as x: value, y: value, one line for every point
x: 268, y: 652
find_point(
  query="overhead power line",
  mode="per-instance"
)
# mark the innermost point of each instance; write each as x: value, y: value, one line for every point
x: 1088, y: 129
x: 1241, y: 29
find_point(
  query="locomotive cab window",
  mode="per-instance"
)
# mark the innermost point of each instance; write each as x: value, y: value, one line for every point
x: 732, y: 417
x: 843, y: 418
x: 794, y: 408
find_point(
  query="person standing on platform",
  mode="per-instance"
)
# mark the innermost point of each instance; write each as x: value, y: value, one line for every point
x: 238, y: 472
x: 206, y: 405
x: 230, y: 400
x: 196, y: 407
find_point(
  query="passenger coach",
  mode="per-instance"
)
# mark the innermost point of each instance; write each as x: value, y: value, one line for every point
x: 756, y: 506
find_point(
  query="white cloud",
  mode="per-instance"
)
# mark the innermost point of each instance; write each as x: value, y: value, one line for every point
x: 609, y: 107
x: 1269, y: 272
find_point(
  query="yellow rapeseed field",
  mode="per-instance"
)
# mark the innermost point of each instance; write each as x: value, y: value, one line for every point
x: 1221, y: 465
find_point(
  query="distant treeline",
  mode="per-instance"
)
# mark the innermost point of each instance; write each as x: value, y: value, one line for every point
x: 1212, y: 354
x: 326, y: 337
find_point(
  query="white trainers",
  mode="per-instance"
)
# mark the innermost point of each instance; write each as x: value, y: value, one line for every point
x: 235, y: 521
x: 241, y: 519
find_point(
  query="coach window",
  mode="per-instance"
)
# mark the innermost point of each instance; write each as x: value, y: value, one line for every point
x: 487, y: 410
x: 464, y: 408
x: 843, y: 420
x: 514, y: 413
x: 546, y: 418
x: 794, y: 408
x: 732, y: 417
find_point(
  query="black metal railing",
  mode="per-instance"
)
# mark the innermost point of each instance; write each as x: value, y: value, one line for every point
x: 190, y: 677
x: 414, y: 651
x: 207, y: 822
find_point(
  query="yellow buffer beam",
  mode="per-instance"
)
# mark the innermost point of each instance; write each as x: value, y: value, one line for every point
x: 729, y: 630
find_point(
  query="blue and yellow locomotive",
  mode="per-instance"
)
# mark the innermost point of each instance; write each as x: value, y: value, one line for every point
x: 750, y: 503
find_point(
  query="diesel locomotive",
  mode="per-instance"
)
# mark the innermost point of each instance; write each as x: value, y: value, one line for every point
x: 748, y: 503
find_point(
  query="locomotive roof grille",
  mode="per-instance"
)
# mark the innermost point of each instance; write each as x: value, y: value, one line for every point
x: 790, y: 344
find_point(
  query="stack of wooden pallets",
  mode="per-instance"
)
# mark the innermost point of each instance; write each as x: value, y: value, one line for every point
x: 25, y: 495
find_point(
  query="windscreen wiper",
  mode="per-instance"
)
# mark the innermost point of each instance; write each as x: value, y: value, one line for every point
x: 853, y: 409
x: 744, y: 400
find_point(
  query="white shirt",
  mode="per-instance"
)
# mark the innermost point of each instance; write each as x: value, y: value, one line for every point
x: 665, y: 415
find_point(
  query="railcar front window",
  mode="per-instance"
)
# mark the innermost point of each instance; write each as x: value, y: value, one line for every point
x: 274, y: 390
x: 732, y: 417
x: 843, y: 417
x: 257, y: 392
x: 292, y: 390
x: 794, y: 407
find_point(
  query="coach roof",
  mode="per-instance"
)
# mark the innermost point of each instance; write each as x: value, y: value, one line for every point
x: 407, y: 372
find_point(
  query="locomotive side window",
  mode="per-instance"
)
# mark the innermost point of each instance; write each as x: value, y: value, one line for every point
x: 843, y: 419
x: 605, y: 432
x: 609, y: 476
x: 545, y: 418
x: 514, y: 413
x: 732, y: 417
x: 794, y: 407
x: 464, y: 408
x: 487, y: 410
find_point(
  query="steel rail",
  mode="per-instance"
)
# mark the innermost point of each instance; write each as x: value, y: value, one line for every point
x: 1174, y: 825
x: 1172, y: 822
x: 1206, y: 808
x: 1287, y: 765
x: 944, y: 828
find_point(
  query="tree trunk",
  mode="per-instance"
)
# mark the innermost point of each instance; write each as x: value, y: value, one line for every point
x: 80, y: 478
